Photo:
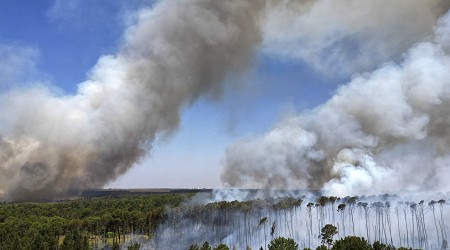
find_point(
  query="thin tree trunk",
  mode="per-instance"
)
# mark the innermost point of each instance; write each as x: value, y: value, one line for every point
x: 435, y: 224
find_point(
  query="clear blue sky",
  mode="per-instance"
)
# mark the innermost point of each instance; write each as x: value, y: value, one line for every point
x: 60, y: 41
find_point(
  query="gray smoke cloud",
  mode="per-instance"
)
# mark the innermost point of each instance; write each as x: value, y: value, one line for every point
x: 347, y: 36
x: 176, y: 52
x: 384, y: 131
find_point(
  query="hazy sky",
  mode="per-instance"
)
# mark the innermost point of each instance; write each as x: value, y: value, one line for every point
x: 87, y: 54
x: 58, y: 42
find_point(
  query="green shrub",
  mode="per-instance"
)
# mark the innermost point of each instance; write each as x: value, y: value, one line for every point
x: 381, y: 246
x: 352, y: 243
x: 221, y: 247
x: 282, y: 243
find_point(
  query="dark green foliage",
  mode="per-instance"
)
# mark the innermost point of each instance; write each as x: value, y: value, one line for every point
x: 262, y: 221
x: 221, y: 247
x: 327, y: 233
x: 205, y: 246
x: 352, y: 243
x: 73, y: 224
x: 322, y: 247
x: 12, y: 242
x: 282, y: 243
x: 194, y: 247
x: 341, y: 207
x: 74, y: 240
x: 380, y: 246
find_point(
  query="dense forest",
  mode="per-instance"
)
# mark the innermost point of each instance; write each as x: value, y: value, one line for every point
x: 183, y: 221
x: 84, y: 223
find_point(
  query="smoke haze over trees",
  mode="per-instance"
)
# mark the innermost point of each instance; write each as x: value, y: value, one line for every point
x: 173, y: 221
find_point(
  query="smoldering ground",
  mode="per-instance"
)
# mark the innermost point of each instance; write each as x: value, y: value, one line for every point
x: 179, y: 50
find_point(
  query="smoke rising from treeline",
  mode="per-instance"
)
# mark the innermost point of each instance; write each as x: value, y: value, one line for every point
x: 384, y: 131
x: 176, y: 52
x: 180, y: 50
x: 415, y: 220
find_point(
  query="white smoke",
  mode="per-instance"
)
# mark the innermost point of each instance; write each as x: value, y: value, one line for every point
x: 410, y: 219
x: 180, y: 50
x: 347, y: 36
x: 384, y: 131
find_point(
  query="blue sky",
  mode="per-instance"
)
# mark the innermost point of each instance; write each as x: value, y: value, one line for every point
x: 63, y: 40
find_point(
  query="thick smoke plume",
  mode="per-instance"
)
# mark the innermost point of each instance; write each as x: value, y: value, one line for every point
x: 384, y: 131
x: 181, y: 50
x: 173, y: 54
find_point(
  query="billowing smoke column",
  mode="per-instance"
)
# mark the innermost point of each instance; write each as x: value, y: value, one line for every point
x: 384, y: 131
x: 180, y: 50
x: 173, y: 54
